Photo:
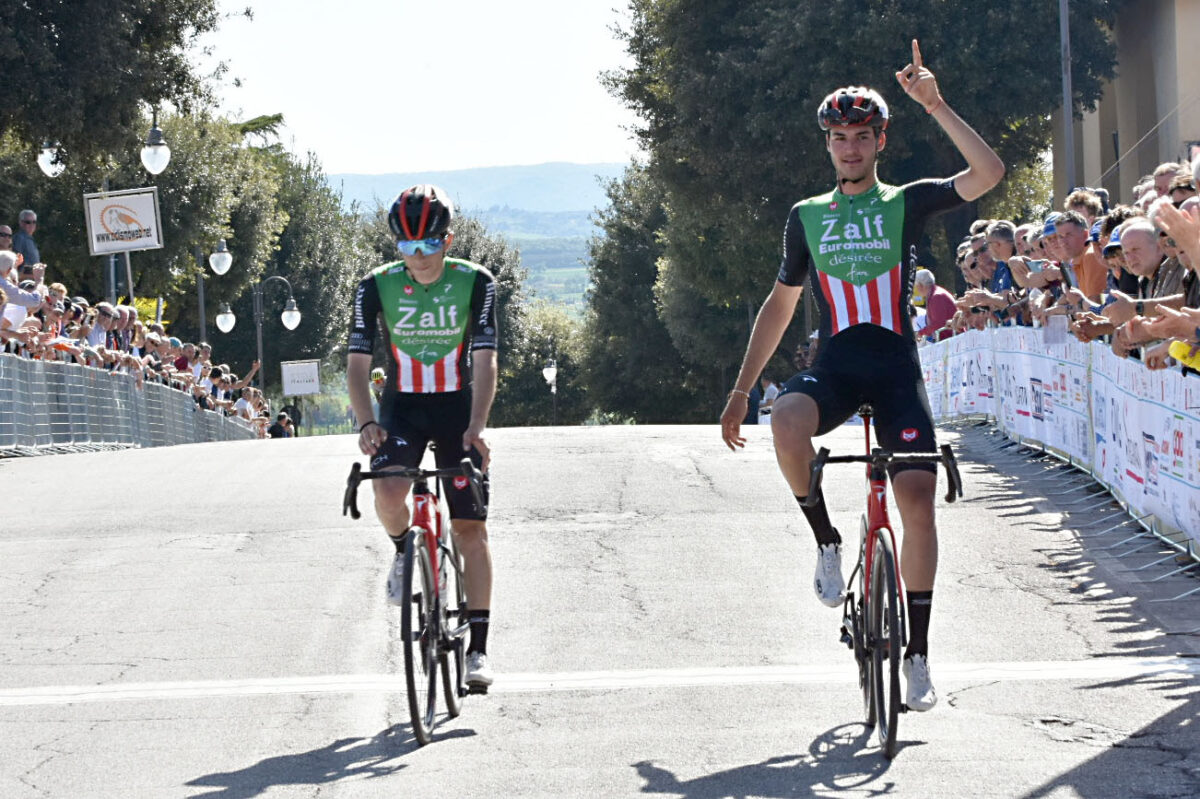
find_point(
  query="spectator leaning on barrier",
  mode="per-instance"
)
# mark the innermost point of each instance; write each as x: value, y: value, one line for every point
x: 1091, y: 272
x: 939, y: 306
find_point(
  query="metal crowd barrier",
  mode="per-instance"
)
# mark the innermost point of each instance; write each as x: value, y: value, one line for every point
x: 51, y: 406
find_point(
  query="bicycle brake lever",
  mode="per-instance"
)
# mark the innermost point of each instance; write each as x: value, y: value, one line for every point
x: 350, y: 498
x: 814, y: 480
x: 952, y: 476
x: 475, y: 478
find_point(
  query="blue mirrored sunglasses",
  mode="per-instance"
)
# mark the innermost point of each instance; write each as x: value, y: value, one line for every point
x: 420, y: 246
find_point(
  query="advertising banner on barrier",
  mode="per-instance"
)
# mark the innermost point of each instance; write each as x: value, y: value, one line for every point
x: 1138, y: 429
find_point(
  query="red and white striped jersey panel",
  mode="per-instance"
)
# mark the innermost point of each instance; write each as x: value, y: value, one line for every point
x: 414, y: 377
x: 877, y: 302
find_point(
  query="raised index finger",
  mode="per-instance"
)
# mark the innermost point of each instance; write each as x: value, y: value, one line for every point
x: 916, y: 59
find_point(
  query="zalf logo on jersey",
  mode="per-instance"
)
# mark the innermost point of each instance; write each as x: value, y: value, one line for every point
x: 866, y: 234
x: 408, y: 290
x: 910, y: 434
x: 443, y: 322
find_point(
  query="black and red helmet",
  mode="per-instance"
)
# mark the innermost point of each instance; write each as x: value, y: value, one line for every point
x: 853, y: 105
x: 421, y: 212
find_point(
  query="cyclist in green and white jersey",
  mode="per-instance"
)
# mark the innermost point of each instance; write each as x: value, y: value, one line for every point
x: 438, y: 319
x: 856, y: 246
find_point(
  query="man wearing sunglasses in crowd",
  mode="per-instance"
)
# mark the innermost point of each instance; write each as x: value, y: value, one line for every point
x: 22, y: 241
x: 856, y: 245
x: 438, y: 319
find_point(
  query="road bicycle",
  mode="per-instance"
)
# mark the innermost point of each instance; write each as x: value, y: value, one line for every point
x: 874, y: 624
x: 433, y: 618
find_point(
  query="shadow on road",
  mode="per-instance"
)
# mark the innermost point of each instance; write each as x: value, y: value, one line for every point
x: 1159, y: 759
x: 838, y: 760
x: 345, y: 758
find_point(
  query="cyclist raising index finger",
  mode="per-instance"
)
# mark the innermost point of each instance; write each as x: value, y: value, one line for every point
x: 856, y: 246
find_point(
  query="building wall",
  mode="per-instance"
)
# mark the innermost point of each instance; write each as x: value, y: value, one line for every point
x: 1158, y: 81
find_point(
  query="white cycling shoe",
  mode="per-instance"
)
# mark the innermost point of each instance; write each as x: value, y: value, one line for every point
x: 920, y: 695
x: 828, y: 581
x: 479, y: 670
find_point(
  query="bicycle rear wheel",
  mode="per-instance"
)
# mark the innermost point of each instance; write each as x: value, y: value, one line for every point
x: 419, y: 631
x: 884, y: 625
x: 454, y: 610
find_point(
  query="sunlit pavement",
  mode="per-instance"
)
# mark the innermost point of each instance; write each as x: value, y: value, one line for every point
x: 202, y: 621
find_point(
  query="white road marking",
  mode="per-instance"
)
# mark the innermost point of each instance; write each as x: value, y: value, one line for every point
x: 1038, y: 671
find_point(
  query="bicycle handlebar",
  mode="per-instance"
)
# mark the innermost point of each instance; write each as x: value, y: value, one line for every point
x: 878, y: 457
x: 464, y: 469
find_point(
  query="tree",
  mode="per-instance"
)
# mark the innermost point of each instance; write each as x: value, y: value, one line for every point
x: 630, y: 364
x: 322, y: 251
x: 727, y: 92
x: 82, y: 72
x: 524, y: 397
x: 214, y: 188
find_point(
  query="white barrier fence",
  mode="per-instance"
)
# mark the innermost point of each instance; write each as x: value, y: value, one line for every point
x: 50, y: 406
x: 1135, y: 430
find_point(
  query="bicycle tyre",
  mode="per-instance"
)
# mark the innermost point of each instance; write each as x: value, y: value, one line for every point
x: 454, y: 606
x: 885, y: 637
x: 419, y: 631
x: 859, y: 633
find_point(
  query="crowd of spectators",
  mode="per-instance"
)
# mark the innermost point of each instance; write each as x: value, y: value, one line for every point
x: 1125, y: 274
x: 40, y: 320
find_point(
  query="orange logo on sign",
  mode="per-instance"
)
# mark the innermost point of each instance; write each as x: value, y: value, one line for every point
x: 121, y: 223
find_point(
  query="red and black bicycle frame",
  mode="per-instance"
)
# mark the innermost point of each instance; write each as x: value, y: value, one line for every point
x: 877, y: 521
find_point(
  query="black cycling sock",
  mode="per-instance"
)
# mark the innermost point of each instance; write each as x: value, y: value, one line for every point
x: 397, y: 541
x: 478, y: 620
x: 919, y: 604
x: 818, y: 520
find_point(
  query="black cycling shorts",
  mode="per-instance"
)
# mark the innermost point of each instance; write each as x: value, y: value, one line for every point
x: 866, y: 364
x: 413, y: 421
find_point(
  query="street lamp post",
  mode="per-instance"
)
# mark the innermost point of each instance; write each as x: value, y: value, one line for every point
x: 220, y: 260
x: 290, y: 318
x: 550, y: 373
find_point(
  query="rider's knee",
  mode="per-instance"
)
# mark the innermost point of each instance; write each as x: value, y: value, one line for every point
x: 794, y: 421
x: 470, y: 535
x: 391, y: 499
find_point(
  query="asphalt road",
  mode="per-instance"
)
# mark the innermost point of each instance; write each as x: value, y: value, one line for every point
x: 202, y: 621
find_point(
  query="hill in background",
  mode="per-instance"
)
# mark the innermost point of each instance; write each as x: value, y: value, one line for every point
x: 545, y: 210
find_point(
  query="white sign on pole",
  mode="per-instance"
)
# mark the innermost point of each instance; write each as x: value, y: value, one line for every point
x: 301, y: 378
x: 122, y: 221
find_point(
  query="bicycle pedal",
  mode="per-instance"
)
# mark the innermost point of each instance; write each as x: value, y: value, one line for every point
x: 477, y: 689
x: 846, y: 639
x: 903, y: 708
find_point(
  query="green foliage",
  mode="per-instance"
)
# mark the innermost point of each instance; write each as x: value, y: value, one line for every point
x: 524, y: 397
x: 1024, y: 195
x: 321, y: 251
x: 727, y: 92
x: 213, y: 188
x: 83, y: 71
x: 631, y: 367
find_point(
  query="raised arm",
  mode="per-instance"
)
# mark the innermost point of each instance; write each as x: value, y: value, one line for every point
x: 984, y: 168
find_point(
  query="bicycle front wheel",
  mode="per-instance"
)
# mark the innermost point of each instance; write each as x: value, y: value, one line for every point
x: 419, y: 631
x: 454, y: 615
x: 884, y: 626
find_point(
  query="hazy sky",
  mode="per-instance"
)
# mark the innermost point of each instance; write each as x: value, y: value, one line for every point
x: 377, y: 86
